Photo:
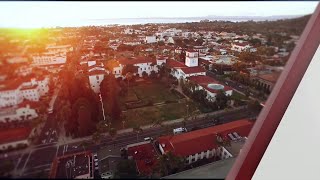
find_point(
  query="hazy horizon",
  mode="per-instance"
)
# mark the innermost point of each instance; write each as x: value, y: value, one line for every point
x: 50, y: 14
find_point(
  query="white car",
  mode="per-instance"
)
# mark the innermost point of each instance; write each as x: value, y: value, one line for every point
x: 148, y: 138
x: 179, y: 130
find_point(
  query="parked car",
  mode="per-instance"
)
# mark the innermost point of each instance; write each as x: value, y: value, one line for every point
x: 148, y: 138
x: 179, y: 130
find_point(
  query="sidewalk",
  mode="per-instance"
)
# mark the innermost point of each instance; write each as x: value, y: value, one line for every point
x: 130, y: 130
x: 68, y: 140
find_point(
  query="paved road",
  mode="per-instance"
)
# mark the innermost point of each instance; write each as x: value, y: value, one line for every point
x: 38, y: 161
x: 50, y: 131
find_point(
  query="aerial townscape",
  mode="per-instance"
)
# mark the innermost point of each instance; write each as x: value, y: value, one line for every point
x: 169, y: 100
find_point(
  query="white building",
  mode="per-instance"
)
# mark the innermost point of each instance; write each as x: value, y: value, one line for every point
x: 14, y: 92
x: 143, y: 64
x: 10, y: 95
x: 48, y: 59
x: 210, y: 85
x: 18, y: 113
x: 151, y: 39
x: 31, y: 93
x: 96, y: 75
x: 185, y: 72
x: 161, y: 60
x: 191, y: 58
x: 200, y: 144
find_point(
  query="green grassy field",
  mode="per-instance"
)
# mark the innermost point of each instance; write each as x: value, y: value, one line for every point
x: 156, y: 92
x: 148, y: 115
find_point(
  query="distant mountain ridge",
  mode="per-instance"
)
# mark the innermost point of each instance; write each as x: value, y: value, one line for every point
x: 214, y: 17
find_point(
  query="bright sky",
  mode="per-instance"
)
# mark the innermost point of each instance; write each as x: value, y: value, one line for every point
x: 44, y: 14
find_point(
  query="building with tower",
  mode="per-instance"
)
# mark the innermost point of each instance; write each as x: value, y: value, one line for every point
x: 191, y: 58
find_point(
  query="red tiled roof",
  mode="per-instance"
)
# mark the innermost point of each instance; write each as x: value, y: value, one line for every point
x: 138, y: 60
x: 193, y: 142
x: 175, y: 64
x: 273, y: 77
x: 161, y: 57
x: 192, y: 70
x: 202, y: 61
x: 96, y: 72
x: 14, y: 134
x: 205, y: 80
x: 145, y: 152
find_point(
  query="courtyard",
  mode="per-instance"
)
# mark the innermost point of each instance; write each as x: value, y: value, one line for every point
x: 146, y: 103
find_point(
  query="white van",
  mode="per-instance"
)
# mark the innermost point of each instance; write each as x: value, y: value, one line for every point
x: 179, y: 130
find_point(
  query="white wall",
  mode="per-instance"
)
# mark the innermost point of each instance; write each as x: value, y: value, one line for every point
x: 31, y: 94
x: 10, y: 97
x: 151, y: 39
